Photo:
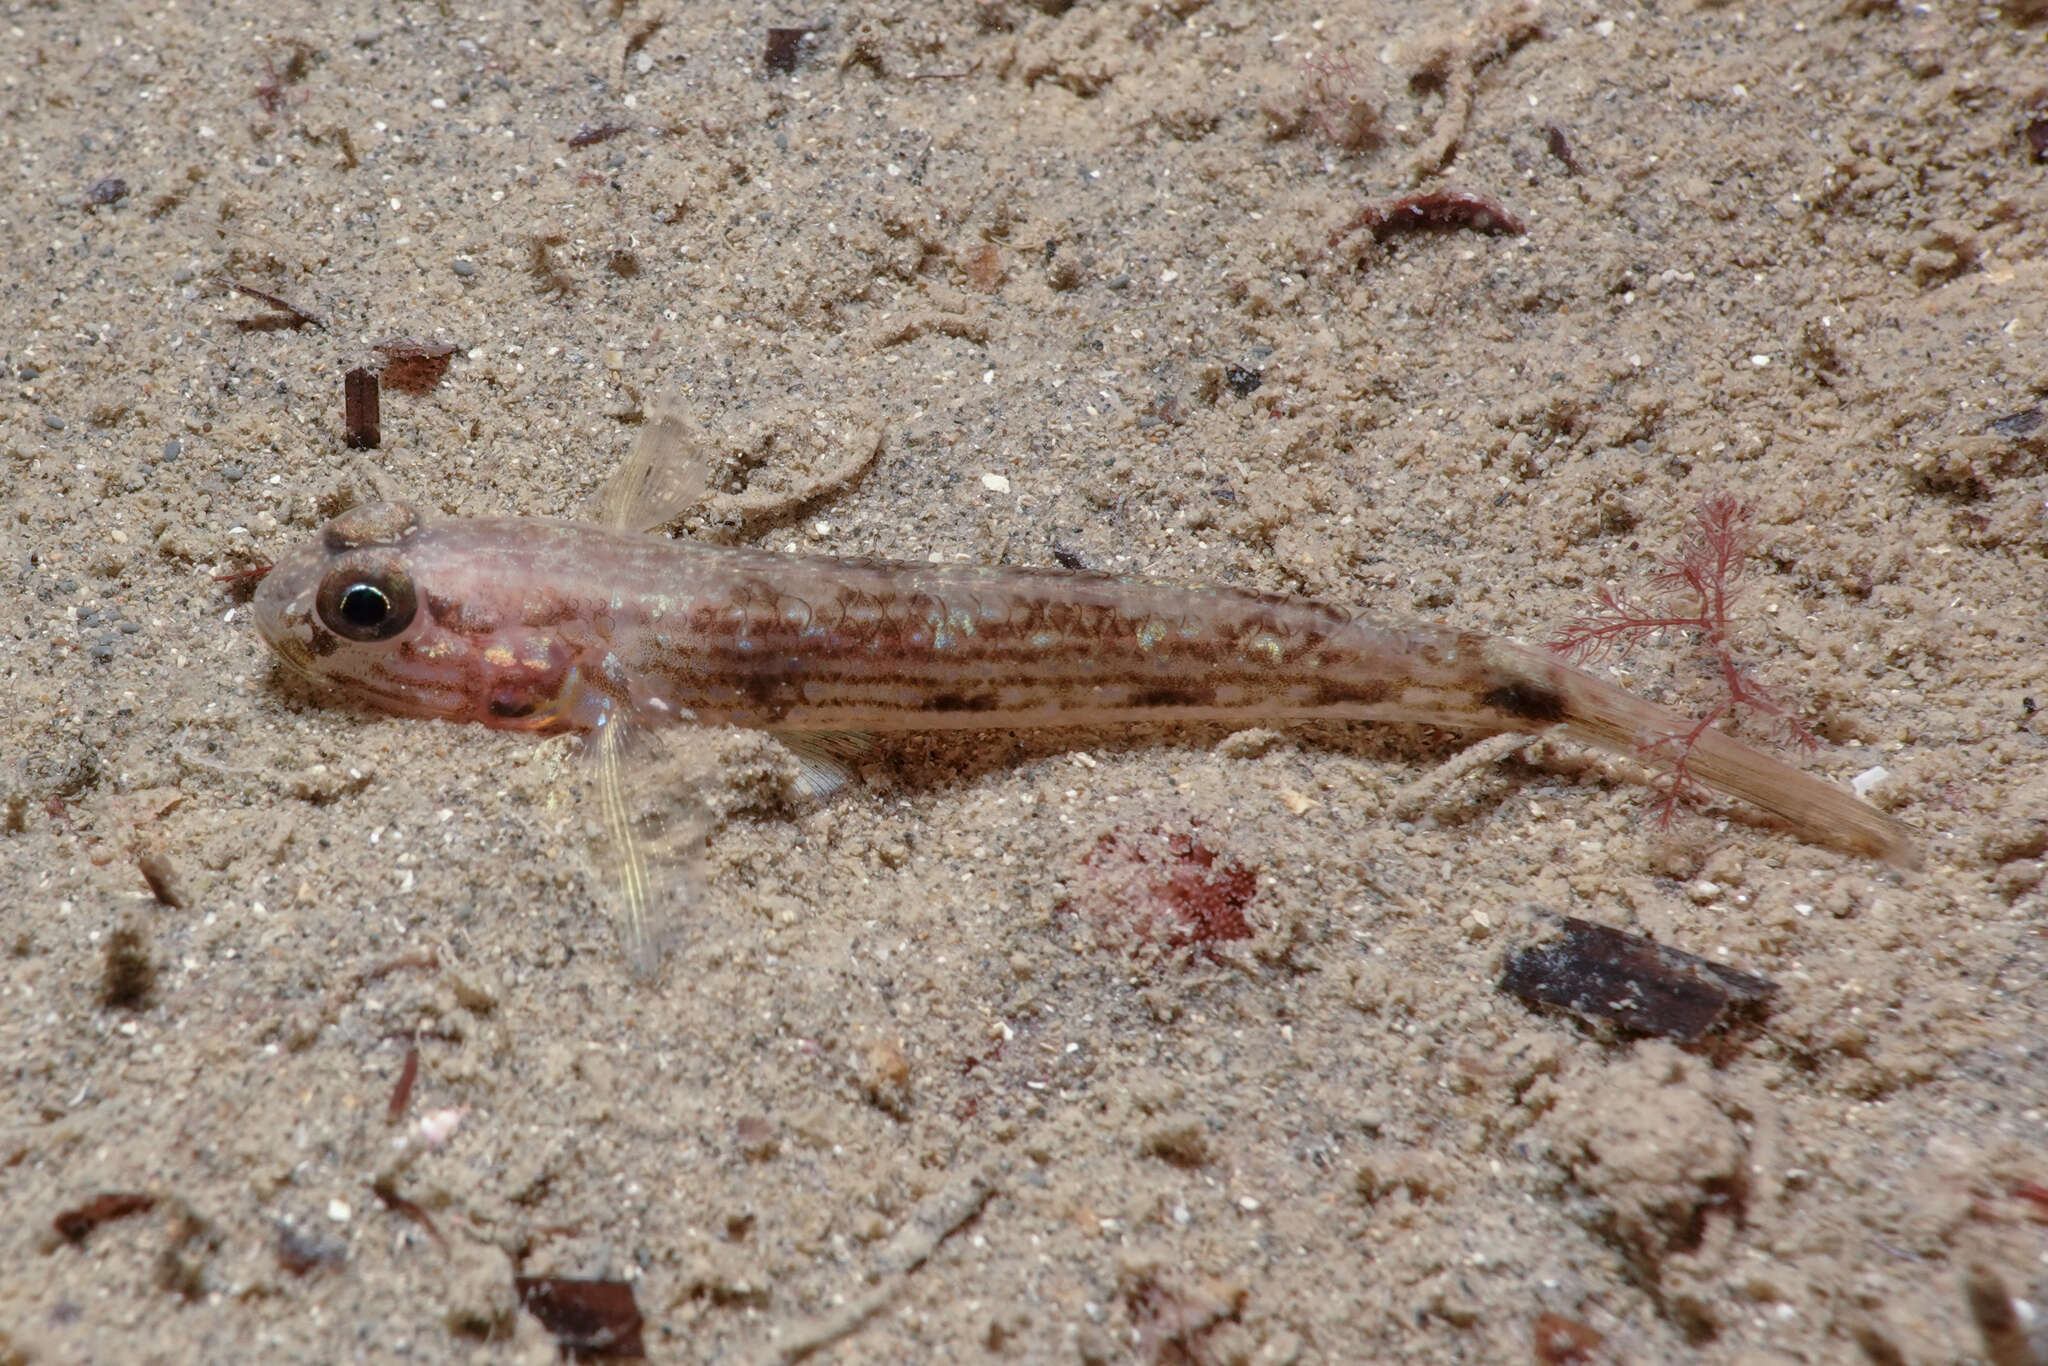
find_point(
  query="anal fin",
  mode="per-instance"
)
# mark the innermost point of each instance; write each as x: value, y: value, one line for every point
x: 825, y: 758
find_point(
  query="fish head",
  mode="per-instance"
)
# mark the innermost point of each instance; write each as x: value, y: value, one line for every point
x: 402, y: 615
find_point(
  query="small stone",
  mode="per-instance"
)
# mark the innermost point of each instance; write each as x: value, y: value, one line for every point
x: 463, y: 268
x: 1282, y: 1349
x: 53, y: 422
x: 995, y: 483
x: 338, y: 1210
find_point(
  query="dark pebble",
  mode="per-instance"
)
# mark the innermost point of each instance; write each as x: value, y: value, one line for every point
x: 233, y: 473
x: 463, y: 268
x: 2020, y: 424
x: 172, y: 449
x: 53, y: 422
x: 28, y: 372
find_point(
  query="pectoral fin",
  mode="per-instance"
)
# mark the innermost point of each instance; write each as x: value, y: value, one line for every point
x: 648, y: 832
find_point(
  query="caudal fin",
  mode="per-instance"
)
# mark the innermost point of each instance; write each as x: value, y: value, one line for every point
x: 1602, y: 714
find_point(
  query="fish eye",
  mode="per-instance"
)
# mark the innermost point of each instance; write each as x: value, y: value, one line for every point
x: 366, y: 603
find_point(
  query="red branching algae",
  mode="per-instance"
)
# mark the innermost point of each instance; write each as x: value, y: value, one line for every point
x: 1695, y: 593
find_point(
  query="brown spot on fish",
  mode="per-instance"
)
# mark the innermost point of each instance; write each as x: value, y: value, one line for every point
x: 1370, y: 693
x: 463, y: 616
x: 774, y: 685
x: 953, y: 701
x: 1174, y: 695
x: 1527, y: 701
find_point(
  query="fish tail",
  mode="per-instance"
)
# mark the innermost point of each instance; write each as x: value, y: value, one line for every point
x: 1533, y: 692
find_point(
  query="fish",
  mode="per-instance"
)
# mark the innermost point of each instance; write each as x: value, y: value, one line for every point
x: 599, y: 625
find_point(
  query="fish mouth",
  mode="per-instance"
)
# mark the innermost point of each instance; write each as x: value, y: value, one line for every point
x: 295, y: 653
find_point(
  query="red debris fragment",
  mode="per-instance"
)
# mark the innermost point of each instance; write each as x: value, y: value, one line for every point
x: 588, y: 1318
x: 75, y: 1224
x: 1431, y: 211
x: 590, y: 134
x: 2035, y: 1194
x: 412, y: 366
x: 361, y: 415
x: 1560, y: 146
x: 401, y: 1094
x: 1560, y: 1341
x: 240, y: 584
x: 783, y: 48
x: 386, y: 1191
x: 289, y: 316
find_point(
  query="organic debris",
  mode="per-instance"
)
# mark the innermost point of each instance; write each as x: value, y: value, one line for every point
x: 1600, y: 973
x: 588, y: 1318
x: 361, y: 418
x: 1166, y: 888
x: 412, y: 366
x: 74, y: 1225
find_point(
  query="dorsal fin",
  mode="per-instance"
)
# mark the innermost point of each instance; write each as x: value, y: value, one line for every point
x: 665, y: 476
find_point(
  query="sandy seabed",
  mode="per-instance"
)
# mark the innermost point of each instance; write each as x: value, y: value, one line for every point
x: 1027, y: 284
